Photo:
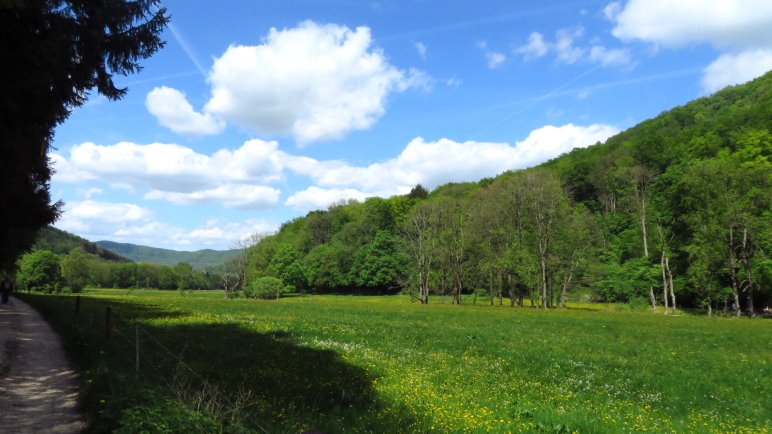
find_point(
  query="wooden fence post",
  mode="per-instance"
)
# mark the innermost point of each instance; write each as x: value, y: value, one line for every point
x: 108, y: 321
x: 136, y: 347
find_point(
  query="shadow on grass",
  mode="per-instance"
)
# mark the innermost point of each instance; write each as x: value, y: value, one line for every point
x: 239, y: 377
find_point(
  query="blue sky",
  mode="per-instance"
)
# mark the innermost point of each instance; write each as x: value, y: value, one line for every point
x: 255, y: 113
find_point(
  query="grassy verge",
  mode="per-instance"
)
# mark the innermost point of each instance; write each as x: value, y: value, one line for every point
x: 383, y: 364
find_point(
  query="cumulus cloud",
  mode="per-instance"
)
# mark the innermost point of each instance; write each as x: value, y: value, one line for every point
x: 171, y: 167
x: 89, y: 215
x: 730, y: 69
x: 421, y: 48
x: 313, y: 82
x: 240, y: 196
x: 609, y: 56
x: 725, y: 24
x: 742, y: 31
x: 173, y: 111
x: 567, y: 50
x: 494, y: 58
x: 315, y: 198
x: 241, y: 178
x: 124, y: 222
x: 564, y: 47
x: 232, y: 178
x: 445, y: 160
x: 535, y: 47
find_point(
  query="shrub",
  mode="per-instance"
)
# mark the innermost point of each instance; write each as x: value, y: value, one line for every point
x: 265, y: 288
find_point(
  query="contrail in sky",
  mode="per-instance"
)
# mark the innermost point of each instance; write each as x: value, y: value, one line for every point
x: 187, y: 49
x: 528, y: 13
x: 541, y: 98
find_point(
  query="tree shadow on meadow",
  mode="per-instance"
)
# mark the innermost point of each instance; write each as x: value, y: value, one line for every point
x: 267, y: 379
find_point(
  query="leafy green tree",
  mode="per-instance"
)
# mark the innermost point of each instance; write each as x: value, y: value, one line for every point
x: 183, y: 275
x: 379, y: 265
x: 61, y: 51
x: 75, y: 269
x: 286, y: 264
x: 40, y: 271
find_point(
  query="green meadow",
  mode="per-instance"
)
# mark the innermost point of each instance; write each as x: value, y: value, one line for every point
x: 384, y: 364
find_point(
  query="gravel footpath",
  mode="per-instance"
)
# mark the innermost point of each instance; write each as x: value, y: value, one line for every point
x: 38, y: 389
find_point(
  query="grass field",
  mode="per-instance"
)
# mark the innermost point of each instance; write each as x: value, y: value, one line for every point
x: 384, y: 364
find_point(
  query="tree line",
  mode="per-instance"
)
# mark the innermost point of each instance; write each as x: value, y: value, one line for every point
x: 673, y: 212
x: 46, y: 271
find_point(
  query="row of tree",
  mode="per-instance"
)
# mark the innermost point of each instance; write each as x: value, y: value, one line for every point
x: 674, y: 211
x: 43, y: 270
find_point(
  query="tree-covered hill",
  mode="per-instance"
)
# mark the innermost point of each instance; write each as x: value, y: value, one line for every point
x: 62, y: 242
x: 673, y: 211
x: 199, y: 259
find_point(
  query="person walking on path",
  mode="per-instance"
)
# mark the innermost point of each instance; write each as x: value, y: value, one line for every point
x: 38, y: 389
x: 5, y: 289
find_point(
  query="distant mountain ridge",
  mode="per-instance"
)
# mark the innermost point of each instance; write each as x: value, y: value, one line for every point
x: 62, y: 242
x: 199, y: 259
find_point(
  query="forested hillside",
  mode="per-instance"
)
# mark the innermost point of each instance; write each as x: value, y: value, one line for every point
x: 199, y: 259
x: 672, y: 212
x: 62, y: 242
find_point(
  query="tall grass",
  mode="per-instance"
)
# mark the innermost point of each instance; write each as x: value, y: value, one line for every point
x: 384, y: 364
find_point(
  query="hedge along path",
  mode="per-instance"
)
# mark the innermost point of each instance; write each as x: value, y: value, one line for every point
x: 38, y: 389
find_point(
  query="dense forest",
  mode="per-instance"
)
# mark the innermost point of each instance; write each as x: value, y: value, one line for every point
x: 672, y: 212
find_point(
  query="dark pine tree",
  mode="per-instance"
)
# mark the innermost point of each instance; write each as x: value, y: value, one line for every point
x: 54, y: 53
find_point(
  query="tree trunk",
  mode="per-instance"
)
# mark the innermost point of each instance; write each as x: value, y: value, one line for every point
x: 543, y: 264
x: 501, y: 291
x: 564, y: 292
x: 664, y: 281
x: 511, y: 291
x: 670, y: 278
x: 490, y: 285
x: 745, y: 261
x: 733, y: 273
x: 643, y: 229
x: 652, y: 299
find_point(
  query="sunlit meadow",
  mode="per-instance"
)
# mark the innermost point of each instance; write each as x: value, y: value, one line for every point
x: 384, y: 364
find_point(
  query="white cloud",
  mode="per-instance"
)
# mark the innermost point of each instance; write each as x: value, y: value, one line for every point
x: 232, y: 178
x: 453, y: 82
x: 564, y: 45
x: 315, y: 198
x: 125, y: 222
x: 237, y: 178
x: 494, y: 58
x: 611, y: 11
x: 741, y: 30
x: 171, y: 167
x: 435, y: 163
x: 536, y: 46
x: 567, y: 51
x: 88, y: 215
x: 730, y: 69
x: 609, y: 56
x: 173, y: 111
x: 240, y: 196
x: 314, y: 82
x: 725, y: 24
x: 421, y: 48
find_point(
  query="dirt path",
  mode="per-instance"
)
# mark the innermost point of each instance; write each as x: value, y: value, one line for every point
x: 38, y: 390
